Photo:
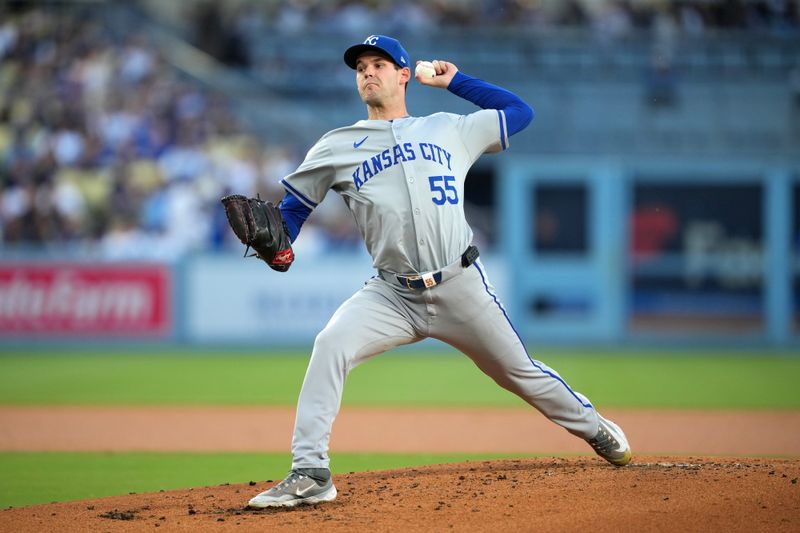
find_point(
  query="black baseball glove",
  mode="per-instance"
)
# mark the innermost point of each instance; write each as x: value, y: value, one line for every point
x: 261, y: 227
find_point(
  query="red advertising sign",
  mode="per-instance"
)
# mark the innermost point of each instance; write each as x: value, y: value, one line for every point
x: 70, y: 299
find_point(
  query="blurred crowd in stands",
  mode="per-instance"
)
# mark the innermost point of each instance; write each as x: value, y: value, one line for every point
x: 106, y: 148
x: 237, y: 21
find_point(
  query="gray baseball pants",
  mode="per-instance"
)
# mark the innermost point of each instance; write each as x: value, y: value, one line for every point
x: 462, y: 311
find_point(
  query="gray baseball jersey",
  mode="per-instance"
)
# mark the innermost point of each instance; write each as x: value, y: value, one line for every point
x: 404, y: 182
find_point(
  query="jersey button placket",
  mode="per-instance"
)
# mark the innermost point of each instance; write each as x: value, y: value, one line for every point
x: 412, y: 192
x: 413, y: 195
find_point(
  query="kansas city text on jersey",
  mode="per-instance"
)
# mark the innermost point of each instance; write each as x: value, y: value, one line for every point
x: 373, y: 166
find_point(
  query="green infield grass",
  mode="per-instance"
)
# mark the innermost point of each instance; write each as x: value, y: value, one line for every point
x: 691, y: 380
x: 34, y: 478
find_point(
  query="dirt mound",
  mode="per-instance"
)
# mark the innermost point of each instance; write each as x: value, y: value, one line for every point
x: 584, y: 494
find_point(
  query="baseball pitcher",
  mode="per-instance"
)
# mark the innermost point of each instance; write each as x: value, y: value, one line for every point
x: 402, y: 177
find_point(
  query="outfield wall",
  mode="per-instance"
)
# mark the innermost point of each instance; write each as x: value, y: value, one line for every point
x: 227, y: 299
x: 611, y: 251
x: 213, y: 299
x: 655, y: 249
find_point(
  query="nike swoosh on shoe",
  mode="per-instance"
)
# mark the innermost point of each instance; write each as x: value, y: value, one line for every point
x: 302, y: 492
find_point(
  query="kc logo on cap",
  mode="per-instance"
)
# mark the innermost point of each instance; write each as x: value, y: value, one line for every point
x: 387, y: 46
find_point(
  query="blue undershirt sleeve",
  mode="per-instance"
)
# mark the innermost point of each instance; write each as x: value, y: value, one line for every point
x: 294, y: 213
x: 488, y: 96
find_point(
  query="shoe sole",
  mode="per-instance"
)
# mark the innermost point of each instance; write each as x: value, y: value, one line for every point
x: 622, y: 461
x: 626, y: 458
x: 327, y: 496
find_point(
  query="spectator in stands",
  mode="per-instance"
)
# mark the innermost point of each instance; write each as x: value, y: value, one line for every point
x: 100, y: 144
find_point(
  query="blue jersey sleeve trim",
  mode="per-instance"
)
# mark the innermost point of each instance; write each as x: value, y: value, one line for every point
x: 298, y: 194
x: 518, y: 114
x: 294, y: 214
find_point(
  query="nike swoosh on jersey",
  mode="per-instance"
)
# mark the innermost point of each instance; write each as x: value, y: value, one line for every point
x: 359, y: 143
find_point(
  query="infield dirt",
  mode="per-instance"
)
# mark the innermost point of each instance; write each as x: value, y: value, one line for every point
x: 683, y: 477
x: 652, y: 494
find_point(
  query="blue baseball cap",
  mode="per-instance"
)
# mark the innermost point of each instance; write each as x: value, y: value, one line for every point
x: 383, y: 45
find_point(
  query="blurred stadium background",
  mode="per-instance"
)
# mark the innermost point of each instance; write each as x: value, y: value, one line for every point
x: 654, y: 199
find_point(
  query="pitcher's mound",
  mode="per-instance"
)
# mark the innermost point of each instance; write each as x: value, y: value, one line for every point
x: 578, y: 494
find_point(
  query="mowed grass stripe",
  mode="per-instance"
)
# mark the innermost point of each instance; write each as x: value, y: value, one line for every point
x: 691, y: 380
x: 35, y: 478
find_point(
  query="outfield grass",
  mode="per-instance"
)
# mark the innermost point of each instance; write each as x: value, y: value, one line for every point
x: 31, y: 478
x: 691, y: 380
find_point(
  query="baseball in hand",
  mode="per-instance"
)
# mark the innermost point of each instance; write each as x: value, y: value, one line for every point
x: 425, y: 69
